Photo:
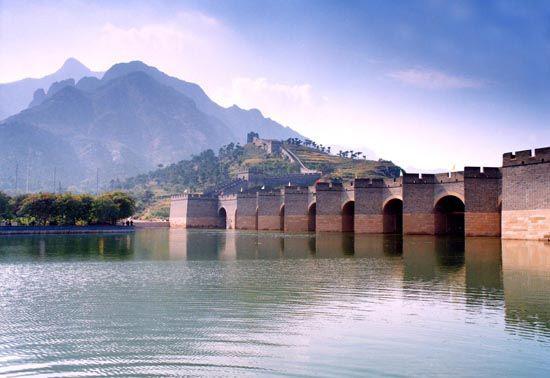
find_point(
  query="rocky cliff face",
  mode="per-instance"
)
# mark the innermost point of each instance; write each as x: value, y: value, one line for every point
x: 16, y: 96
x: 132, y: 120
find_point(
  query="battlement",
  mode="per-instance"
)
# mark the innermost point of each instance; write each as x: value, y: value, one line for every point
x: 416, y: 178
x: 329, y: 186
x: 270, y: 192
x: 247, y: 195
x: 447, y: 177
x: 227, y: 197
x: 377, y: 182
x: 525, y: 157
x: 293, y: 189
x: 369, y: 183
x: 182, y: 197
x: 482, y: 172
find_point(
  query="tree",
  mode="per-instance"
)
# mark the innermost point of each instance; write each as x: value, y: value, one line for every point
x: 16, y: 203
x: 126, y: 204
x: 5, y: 206
x: 68, y: 208
x: 41, y: 207
x: 104, y: 210
x: 86, y: 204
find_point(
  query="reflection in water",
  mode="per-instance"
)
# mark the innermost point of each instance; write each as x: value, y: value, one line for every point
x: 526, y: 271
x: 226, y: 302
x: 66, y: 247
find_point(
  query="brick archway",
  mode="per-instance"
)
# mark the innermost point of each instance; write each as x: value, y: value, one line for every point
x: 348, y: 216
x: 449, y: 216
x: 393, y: 216
x: 311, y: 217
x: 282, y: 218
x: 222, y: 218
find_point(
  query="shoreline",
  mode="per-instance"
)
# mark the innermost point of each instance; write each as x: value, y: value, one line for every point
x: 38, y: 230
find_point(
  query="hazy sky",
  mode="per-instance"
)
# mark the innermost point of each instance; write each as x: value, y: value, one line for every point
x: 427, y: 84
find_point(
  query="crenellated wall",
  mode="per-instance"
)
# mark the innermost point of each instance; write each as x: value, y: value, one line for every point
x: 526, y: 194
x: 247, y: 217
x: 482, y: 192
x: 418, y: 203
x: 297, y: 200
x: 270, y: 210
x: 194, y: 211
x: 513, y: 200
x: 370, y: 197
x: 229, y: 204
x: 329, y: 206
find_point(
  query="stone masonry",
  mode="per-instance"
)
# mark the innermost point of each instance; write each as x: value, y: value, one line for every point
x: 526, y: 195
x: 512, y: 201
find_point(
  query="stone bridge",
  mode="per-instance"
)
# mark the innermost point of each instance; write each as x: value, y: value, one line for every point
x: 470, y: 202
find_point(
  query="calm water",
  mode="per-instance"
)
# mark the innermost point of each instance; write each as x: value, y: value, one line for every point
x: 174, y: 302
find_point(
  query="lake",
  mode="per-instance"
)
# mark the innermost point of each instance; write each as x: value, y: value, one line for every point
x: 191, y: 302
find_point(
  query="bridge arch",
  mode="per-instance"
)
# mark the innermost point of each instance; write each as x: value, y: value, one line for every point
x: 449, y: 215
x: 282, y: 218
x: 348, y: 216
x: 393, y: 216
x: 447, y: 194
x: 311, y: 216
x: 222, y: 217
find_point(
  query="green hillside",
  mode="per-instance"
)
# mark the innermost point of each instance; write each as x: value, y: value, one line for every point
x: 208, y: 170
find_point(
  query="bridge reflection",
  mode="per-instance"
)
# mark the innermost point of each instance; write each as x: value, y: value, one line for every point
x: 491, y: 274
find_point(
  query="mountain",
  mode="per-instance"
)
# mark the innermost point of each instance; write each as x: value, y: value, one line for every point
x: 17, y: 95
x: 239, y: 120
x: 130, y: 121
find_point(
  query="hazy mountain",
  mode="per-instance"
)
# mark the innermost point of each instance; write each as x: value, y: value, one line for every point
x: 17, y: 95
x: 239, y: 120
x: 129, y: 122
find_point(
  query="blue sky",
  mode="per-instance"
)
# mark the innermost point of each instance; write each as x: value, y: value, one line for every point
x: 428, y: 84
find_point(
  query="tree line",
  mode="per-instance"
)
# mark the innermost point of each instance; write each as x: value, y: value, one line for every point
x: 66, y: 209
x: 348, y: 154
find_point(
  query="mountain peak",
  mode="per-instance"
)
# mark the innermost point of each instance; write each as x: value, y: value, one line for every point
x: 72, y: 65
x: 121, y: 69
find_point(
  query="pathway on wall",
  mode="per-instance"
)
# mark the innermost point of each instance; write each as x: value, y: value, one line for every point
x: 295, y: 159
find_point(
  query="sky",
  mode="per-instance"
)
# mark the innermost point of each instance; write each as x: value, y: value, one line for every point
x: 430, y: 85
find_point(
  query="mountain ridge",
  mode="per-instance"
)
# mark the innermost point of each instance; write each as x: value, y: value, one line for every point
x: 15, y: 96
x: 131, y: 120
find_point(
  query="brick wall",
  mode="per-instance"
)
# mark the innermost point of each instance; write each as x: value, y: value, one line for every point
x: 194, y: 211
x: 369, y: 197
x: 329, y: 207
x: 482, y: 201
x: 178, y: 211
x: 269, y: 211
x: 229, y: 203
x: 418, y: 197
x: 526, y: 195
x: 296, y: 209
x: 246, y: 218
x: 202, y: 213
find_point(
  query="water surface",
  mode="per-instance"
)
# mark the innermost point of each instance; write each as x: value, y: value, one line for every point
x: 173, y: 302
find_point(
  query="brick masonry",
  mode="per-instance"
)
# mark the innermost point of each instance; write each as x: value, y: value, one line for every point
x: 329, y: 207
x: 418, y: 202
x: 297, y: 201
x: 270, y: 211
x: 246, y: 217
x: 513, y: 201
x: 526, y: 195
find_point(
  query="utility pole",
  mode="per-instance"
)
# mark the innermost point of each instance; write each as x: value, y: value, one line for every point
x: 97, y: 182
x: 28, y: 174
x: 16, y: 176
x: 28, y: 170
x: 54, y: 178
